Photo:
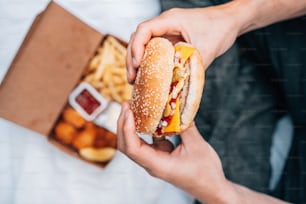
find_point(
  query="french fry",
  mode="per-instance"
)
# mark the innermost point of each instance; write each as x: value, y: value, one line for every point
x: 118, y: 80
x: 89, y: 78
x: 105, y: 91
x: 116, y: 44
x: 98, y: 154
x: 94, y: 63
x: 107, y: 71
x: 98, y: 85
x: 119, y: 71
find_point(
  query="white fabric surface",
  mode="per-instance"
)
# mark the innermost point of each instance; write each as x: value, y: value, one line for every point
x: 32, y: 171
x: 281, y: 143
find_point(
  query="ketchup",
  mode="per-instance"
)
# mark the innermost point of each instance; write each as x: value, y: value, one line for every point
x: 87, y: 101
x: 173, y: 85
x: 168, y: 118
x: 159, y: 131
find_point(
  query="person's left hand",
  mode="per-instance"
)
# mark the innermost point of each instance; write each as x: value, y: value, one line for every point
x: 192, y: 166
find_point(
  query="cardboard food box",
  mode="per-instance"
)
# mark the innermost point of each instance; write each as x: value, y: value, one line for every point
x: 51, y: 62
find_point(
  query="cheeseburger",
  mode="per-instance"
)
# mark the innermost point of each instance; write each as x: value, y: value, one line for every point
x: 168, y: 88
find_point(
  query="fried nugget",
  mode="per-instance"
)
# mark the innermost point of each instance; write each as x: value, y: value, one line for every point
x: 84, y: 139
x: 111, y: 139
x: 73, y: 117
x: 105, y: 138
x: 65, y: 132
x: 100, y: 140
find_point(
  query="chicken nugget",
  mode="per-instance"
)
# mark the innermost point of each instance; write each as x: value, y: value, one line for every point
x: 73, y: 117
x: 102, y: 138
x: 65, y: 132
x: 84, y: 139
x: 90, y: 126
x: 111, y: 139
x: 100, y: 141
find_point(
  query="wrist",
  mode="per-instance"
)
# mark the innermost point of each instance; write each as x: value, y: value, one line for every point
x: 242, y: 13
x: 223, y: 193
x: 250, y: 14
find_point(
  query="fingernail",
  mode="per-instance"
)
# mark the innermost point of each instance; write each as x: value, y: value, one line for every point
x: 129, y: 73
x: 134, y: 62
x: 123, y: 107
x: 127, y: 114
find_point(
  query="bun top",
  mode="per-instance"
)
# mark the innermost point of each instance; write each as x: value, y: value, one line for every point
x: 152, y: 84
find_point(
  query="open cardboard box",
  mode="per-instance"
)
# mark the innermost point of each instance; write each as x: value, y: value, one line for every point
x: 47, y: 67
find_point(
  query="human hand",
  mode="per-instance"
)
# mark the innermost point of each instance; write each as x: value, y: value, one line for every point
x: 192, y: 166
x: 211, y: 30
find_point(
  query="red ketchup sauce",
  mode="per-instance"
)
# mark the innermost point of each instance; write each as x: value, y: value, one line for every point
x: 168, y: 118
x: 87, y: 101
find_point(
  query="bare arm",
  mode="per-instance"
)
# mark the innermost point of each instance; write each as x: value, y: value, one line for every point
x: 253, y: 14
x: 249, y: 197
x: 213, y: 29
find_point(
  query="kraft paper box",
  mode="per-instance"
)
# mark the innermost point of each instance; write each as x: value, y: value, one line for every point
x: 47, y: 67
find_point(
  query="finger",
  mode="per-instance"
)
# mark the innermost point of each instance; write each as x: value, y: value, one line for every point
x: 161, y: 143
x: 127, y: 131
x: 120, y: 134
x: 132, y: 141
x: 191, y: 136
x: 139, y: 151
x: 155, y: 161
x: 205, y: 51
x: 158, y: 26
x: 131, y: 70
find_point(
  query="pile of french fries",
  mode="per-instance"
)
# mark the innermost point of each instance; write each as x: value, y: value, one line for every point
x: 107, y: 71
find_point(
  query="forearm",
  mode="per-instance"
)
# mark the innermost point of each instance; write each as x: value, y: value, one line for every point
x: 252, y: 14
x: 248, y: 196
x: 234, y: 193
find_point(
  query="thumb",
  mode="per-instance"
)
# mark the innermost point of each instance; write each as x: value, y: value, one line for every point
x: 162, y: 144
x: 191, y: 135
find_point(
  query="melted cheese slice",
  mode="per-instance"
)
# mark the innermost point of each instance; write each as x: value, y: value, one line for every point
x: 174, y: 125
x: 183, y: 53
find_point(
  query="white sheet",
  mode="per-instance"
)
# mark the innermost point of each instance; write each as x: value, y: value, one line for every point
x: 31, y: 170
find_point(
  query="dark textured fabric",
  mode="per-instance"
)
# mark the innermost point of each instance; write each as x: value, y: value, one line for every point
x: 236, y: 115
x: 168, y: 4
x: 283, y: 46
x: 237, y: 118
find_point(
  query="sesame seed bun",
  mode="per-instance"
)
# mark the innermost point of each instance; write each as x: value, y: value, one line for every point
x: 153, y: 82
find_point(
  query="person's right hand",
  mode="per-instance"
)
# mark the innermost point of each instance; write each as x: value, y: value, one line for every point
x: 211, y: 30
